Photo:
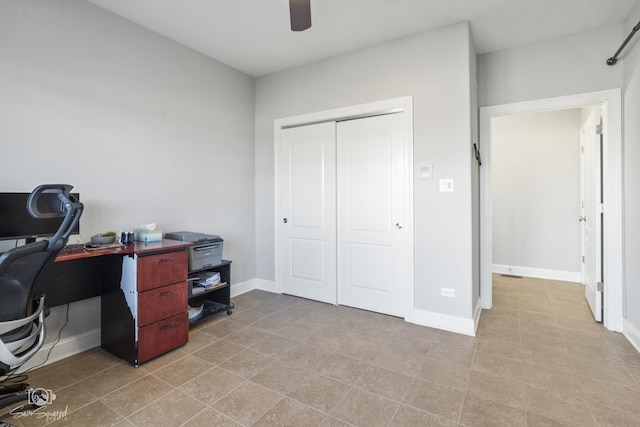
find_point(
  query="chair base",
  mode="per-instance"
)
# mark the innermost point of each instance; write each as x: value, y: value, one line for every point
x: 13, y: 399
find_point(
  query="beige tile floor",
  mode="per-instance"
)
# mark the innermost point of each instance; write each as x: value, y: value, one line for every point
x: 538, y: 360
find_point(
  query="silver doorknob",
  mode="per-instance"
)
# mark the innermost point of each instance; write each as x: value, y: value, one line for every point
x: 398, y: 225
x: 582, y: 218
x: 284, y: 220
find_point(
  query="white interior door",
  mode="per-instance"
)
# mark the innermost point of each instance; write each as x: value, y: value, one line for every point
x: 307, y: 211
x: 591, y: 212
x: 371, y: 203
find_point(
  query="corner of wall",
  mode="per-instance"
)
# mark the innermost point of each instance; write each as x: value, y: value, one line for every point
x: 632, y: 333
x: 459, y: 325
x: 244, y: 287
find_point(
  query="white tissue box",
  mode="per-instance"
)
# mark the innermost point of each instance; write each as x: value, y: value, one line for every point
x: 144, y: 235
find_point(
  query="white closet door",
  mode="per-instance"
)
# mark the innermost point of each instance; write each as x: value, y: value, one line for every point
x: 371, y: 200
x: 307, y: 212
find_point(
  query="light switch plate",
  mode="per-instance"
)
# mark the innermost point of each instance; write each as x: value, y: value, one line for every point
x: 446, y: 185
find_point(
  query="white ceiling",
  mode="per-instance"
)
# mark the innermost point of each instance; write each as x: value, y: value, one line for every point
x: 254, y: 36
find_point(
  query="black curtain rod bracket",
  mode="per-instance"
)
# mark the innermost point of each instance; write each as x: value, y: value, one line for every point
x: 614, y: 58
x: 476, y: 153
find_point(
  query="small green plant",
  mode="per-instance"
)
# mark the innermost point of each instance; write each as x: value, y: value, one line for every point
x: 108, y: 234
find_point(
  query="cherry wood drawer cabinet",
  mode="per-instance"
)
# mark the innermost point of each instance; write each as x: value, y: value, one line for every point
x: 161, y: 269
x: 163, y: 336
x: 146, y: 316
x: 161, y: 303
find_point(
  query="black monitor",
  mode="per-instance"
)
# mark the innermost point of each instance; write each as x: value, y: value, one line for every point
x: 17, y: 223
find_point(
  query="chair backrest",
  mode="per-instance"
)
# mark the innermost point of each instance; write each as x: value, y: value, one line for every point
x: 21, y: 267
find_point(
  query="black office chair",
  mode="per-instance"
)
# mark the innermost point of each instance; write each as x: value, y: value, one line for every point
x: 22, y: 310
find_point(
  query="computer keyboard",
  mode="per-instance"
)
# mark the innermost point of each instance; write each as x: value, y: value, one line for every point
x: 73, y: 247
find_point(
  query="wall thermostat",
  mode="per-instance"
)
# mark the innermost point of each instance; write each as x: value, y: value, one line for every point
x: 426, y: 172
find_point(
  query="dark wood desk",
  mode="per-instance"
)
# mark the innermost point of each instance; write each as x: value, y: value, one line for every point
x: 82, y: 275
x: 143, y: 289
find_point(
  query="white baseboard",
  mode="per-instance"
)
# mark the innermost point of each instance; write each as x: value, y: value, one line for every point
x: 460, y: 325
x: 632, y: 333
x: 67, y: 347
x: 249, y: 285
x: 242, y: 287
x: 266, y: 285
x: 540, y: 273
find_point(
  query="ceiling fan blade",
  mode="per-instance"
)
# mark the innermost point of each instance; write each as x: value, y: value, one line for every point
x: 300, y: 11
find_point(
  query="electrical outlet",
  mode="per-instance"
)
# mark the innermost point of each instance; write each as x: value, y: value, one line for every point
x: 449, y: 293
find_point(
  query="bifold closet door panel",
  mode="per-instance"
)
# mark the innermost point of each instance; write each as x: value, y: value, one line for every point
x: 370, y: 213
x: 306, y: 206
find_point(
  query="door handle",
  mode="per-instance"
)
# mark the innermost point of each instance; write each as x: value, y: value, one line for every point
x: 284, y: 220
x: 582, y: 218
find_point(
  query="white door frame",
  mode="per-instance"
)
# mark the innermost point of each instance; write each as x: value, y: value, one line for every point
x: 611, y: 101
x: 403, y: 104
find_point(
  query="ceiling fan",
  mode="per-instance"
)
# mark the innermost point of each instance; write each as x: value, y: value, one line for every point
x: 300, y: 11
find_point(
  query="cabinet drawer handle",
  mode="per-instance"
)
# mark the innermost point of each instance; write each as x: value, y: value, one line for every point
x: 165, y: 327
x: 165, y: 294
x: 163, y: 260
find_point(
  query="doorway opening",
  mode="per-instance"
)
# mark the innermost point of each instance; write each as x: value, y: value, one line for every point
x: 610, y: 102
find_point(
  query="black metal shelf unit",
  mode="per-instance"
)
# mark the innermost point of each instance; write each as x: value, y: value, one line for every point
x: 214, y: 300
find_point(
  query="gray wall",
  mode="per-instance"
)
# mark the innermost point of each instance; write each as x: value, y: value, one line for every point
x: 535, y: 190
x: 144, y: 128
x: 564, y: 66
x: 631, y: 64
x: 434, y: 68
x: 475, y: 173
